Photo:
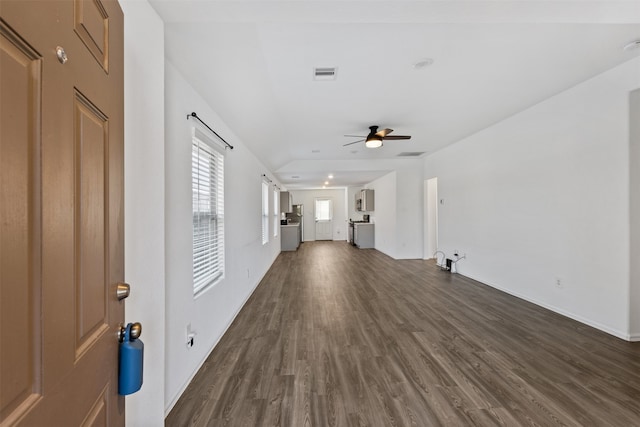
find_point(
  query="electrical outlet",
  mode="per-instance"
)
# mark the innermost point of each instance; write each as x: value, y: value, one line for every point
x: 191, y: 336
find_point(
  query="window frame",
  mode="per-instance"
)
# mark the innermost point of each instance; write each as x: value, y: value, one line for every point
x: 265, y: 212
x: 207, y: 167
x: 276, y: 212
x: 319, y: 201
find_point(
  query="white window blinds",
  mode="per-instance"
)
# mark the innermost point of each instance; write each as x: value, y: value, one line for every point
x: 265, y: 212
x: 207, y: 183
x: 276, y: 206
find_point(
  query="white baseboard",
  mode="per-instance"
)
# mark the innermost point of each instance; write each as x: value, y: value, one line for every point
x: 604, y: 328
x: 195, y: 371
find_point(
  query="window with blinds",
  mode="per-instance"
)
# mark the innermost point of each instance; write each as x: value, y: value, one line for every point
x: 276, y: 220
x: 265, y: 212
x: 207, y: 184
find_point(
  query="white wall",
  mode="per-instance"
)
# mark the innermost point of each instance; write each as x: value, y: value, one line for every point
x: 307, y: 199
x: 409, y: 210
x: 247, y: 260
x: 544, y: 195
x: 398, y: 213
x: 634, y: 213
x: 384, y: 216
x: 144, y: 201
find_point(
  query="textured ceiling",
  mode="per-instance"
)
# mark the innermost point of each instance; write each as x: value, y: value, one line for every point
x: 253, y: 61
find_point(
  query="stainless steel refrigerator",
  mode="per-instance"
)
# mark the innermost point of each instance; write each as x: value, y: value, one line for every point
x: 296, y: 216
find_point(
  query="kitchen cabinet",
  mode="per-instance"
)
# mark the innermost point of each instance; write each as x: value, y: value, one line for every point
x: 286, y: 202
x: 289, y: 237
x: 363, y: 235
x: 365, y: 201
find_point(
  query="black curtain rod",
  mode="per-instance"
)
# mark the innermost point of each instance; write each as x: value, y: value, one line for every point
x: 270, y: 181
x: 194, y: 115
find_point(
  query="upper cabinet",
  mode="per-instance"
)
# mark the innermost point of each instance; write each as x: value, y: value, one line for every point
x: 286, y: 202
x: 365, y: 201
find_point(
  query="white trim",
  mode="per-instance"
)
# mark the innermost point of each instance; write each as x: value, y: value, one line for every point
x: 266, y: 214
x: 210, y: 256
x: 206, y: 356
x: 616, y: 333
x: 205, y: 136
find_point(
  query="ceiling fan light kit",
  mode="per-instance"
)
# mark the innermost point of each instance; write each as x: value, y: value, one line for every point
x: 374, y: 141
x: 375, y: 137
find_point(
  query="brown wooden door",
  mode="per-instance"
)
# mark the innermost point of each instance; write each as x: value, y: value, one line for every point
x: 61, y: 212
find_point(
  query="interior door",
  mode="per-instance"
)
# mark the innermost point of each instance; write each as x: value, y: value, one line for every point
x: 324, y: 217
x: 61, y: 211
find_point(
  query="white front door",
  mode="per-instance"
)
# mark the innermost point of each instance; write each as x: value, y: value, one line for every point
x: 324, y: 216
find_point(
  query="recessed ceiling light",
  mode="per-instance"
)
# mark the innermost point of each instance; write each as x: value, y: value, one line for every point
x: 295, y: 176
x: 330, y: 176
x: 633, y: 45
x: 422, y: 63
x: 324, y: 186
x: 326, y: 183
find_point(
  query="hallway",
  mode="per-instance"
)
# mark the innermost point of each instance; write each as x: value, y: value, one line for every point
x: 336, y: 336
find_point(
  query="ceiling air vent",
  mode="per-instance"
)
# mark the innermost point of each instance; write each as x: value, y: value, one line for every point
x: 411, y: 153
x: 324, y: 73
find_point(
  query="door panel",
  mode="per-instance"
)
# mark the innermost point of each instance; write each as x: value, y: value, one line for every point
x: 20, y: 292
x: 62, y: 212
x: 324, y: 230
x: 98, y: 415
x: 92, y: 26
x: 323, y: 216
x: 91, y: 144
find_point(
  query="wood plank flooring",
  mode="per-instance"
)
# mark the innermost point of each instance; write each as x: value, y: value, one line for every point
x: 337, y: 336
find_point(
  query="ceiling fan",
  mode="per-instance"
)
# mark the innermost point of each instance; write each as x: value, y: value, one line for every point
x: 375, y: 137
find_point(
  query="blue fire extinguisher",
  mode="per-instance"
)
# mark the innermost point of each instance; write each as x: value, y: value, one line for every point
x: 130, y: 360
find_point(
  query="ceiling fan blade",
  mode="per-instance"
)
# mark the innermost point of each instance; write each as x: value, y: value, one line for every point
x: 354, y: 142
x: 396, y: 137
x: 355, y: 136
x: 384, y: 132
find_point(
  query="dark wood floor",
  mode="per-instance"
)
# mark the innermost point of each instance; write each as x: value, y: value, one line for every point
x: 336, y: 336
